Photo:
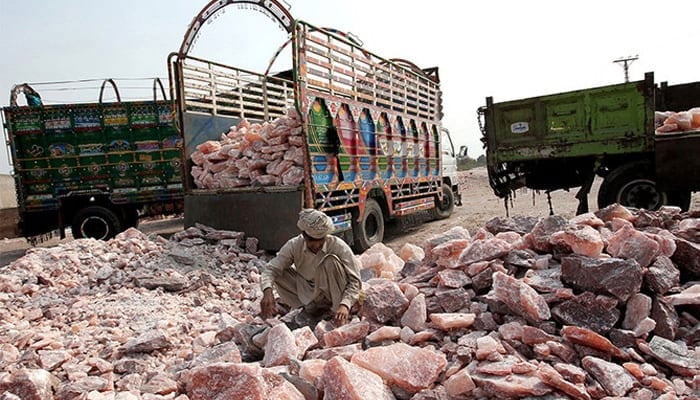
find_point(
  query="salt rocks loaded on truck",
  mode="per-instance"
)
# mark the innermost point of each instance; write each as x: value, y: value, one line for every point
x: 641, y: 138
x: 96, y: 167
x: 344, y: 131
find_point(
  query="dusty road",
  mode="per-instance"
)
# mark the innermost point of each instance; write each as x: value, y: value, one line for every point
x: 479, y: 206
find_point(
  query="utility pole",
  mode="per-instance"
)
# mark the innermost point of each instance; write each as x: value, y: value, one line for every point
x: 626, y: 61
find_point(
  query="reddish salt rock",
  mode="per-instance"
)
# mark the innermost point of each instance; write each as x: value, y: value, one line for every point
x: 486, y: 346
x: 690, y: 295
x: 581, y: 239
x: 589, y: 219
x: 410, y: 291
x: 571, y: 372
x: 305, y: 339
x: 614, y: 211
x: 637, y: 309
x: 620, y: 278
x: 237, y: 381
x: 453, y: 233
x: 384, y: 302
x: 29, y: 384
x: 447, y: 254
x: 410, y: 368
x: 551, y: 377
x: 612, y: 377
x: 343, y: 351
x: 531, y: 335
x: 675, y: 356
x: 427, y: 335
x: 512, y: 386
x: 343, y: 380
x: 477, y: 268
x: 511, y: 331
x: 587, y: 337
x: 498, y: 368
x: 629, y: 243
x: 280, y: 347
x: 618, y: 223
x: 411, y: 252
x: 208, y: 147
x: 460, y: 383
x: 520, y: 298
x: 666, y: 241
x: 689, y: 229
x: 598, y: 313
x: 384, y: 333
x: 453, y: 278
x: 482, y: 234
x: 540, y: 236
x: 484, y: 250
x: 346, y: 334
x: 447, y: 321
x: 687, y: 258
x: 312, y: 371
x: 662, y: 275
x: 416, y: 314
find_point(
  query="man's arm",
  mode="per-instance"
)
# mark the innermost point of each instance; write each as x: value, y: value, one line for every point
x: 283, y: 260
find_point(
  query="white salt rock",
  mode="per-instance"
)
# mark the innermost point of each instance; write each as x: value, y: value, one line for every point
x: 411, y: 252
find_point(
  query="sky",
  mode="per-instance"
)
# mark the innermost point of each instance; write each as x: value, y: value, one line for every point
x: 507, y: 49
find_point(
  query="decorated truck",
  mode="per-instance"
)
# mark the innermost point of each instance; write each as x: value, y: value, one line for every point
x: 96, y: 167
x: 344, y: 131
x: 618, y: 132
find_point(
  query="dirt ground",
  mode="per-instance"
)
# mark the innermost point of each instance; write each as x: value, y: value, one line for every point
x: 479, y: 205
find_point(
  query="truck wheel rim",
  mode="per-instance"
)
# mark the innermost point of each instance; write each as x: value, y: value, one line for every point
x: 641, y: 193
x: 95, y: 227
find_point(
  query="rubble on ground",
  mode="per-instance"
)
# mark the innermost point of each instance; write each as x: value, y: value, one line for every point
x: 600, y: 306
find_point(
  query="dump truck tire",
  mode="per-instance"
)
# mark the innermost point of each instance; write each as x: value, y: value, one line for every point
x: 634, y: 185
x: 443, y: 209
x: 95, y: 222
x: 369, y: 230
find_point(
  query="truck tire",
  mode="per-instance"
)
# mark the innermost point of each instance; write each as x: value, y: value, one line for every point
x: 369, y: 230
x: 443, y: 209
x: 95, y: 222
x: 634, y: 185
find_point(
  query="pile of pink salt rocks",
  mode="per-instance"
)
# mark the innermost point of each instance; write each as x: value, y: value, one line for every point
x: 603, y: 305
x: 258, y: 154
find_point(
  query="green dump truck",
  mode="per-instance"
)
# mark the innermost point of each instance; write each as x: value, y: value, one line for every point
x: 562, y: 141
x: 96, y: 167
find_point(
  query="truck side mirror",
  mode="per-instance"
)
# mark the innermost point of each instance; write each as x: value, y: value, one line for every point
x: 462, y: 151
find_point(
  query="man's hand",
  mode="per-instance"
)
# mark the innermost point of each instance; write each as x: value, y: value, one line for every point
x: 268, y: 305
x: 341, y: 315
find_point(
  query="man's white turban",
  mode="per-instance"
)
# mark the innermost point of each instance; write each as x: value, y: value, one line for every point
x: 315, y: 223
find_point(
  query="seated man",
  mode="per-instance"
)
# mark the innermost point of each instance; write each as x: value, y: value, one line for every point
x: 314, y: 270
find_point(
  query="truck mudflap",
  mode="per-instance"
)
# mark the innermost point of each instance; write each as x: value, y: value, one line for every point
x: 268, y: 214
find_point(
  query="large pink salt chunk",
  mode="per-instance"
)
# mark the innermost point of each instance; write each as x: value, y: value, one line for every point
x: 459, y: 384
x: 456, y: 232
x: 587, y: 337
x: 520, y: 298
x: 209, y: 147
x: 511, y: 386
x: 447, y: 254
x: 416, y: 314
x: 312, y: 371
x: 589, y: 219
x: 343, y: 380
x: 237, y: 381
x: 627, y: 243
x: 666, y: 241
x: 484, y: 250
x: 346, y: 334
x: 614, y: 378
x: 447, y: 321
x: 281, y: 346
x: 411, y: 252
x: 410, y: 368
x: 384, y: 333
x: 553, y: 378
x: 582, y: 239
x: 486, y: 346
x: 305, y: 339
x: 614, y: 211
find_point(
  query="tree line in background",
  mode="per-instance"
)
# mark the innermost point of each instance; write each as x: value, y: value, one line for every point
x: 465, y: 162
